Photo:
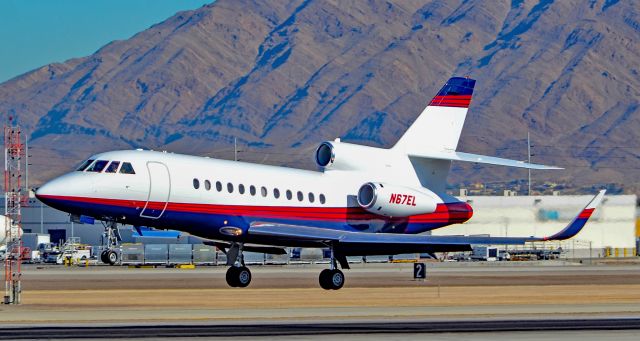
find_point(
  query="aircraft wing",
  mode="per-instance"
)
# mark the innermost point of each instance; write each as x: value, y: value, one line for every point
x: 363, y: 243
x: 476, y: 158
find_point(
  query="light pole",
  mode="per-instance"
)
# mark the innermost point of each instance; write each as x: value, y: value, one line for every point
x: 529, y: 161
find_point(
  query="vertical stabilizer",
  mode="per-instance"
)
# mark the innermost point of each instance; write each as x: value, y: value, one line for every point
x: 437, y: 129
x: 439, y: 125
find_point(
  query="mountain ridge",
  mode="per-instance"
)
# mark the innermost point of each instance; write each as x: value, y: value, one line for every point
x: 281, y: 78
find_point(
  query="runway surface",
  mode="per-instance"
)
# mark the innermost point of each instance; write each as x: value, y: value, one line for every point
x: 476, y: 295
x: 317, y: 329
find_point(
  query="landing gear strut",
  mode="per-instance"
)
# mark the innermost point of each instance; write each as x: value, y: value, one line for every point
x: 332, y: 278
x: 238, y: 274
x: 110, y: 240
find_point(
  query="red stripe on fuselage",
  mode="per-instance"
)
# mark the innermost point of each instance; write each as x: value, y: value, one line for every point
x: 445, y: 213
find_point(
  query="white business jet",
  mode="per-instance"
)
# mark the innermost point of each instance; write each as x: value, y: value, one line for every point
x: 365, y: 201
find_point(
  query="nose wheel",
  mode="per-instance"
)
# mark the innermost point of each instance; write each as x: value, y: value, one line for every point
x: 110, y: 240
x: 109, y: 257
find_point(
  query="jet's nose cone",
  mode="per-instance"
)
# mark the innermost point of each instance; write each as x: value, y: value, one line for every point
x: 42, y: 191
x: 45, y: 191
x: 57, y: 187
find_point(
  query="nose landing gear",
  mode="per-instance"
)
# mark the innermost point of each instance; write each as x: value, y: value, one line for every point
x: 110, y: 240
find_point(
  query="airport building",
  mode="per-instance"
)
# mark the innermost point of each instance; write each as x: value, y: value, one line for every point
x: 611, y: 231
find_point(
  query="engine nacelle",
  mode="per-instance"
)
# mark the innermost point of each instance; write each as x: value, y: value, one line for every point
x: 395, y: 201
x: 347, y: 156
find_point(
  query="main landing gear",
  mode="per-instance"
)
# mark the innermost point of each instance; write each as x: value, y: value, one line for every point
x: 110, y: 240
x: 238, y: 275
x: 332, y: 278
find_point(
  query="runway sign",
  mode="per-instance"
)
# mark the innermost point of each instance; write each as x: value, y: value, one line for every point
x: 419, y: 271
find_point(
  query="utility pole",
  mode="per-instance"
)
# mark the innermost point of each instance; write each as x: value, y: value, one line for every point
x: 235, y: 149
x: 26, y: 165
x: 529, y: 161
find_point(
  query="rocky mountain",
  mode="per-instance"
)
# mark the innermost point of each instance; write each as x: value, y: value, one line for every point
x: 284, y: 75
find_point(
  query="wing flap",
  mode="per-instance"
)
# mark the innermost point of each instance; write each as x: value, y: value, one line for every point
x: 328, y: 235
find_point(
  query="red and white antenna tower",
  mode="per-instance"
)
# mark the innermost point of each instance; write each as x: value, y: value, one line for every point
x: 14, y: 157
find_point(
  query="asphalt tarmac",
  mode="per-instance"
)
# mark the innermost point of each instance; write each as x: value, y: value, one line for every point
x: 376, y: 299
x: 347, y: 329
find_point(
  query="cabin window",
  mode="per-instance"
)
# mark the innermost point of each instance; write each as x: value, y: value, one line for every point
x: 127, y: 168
x: 113, y: 167
x: 252, y: 190
x: 207, y: 185
x: 263, y: 191
x: 276, y: 193
x: 322, y: 199
x: 229, y: 187
x: 312, y: 197
x: 300, y: 196
x: 289, y: 195
x: 196, y: 183
x: 241, y: 188
x: 97, y: 166
x: 219, y: 186
x: 84, y: 165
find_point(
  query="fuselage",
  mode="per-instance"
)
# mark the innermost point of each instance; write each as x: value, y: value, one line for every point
x: 203, y: 196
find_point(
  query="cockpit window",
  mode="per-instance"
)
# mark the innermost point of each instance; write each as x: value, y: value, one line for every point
x: 97, y: 166
x: 113, y: 167
x: 84, y: 165
x: 127, y: 168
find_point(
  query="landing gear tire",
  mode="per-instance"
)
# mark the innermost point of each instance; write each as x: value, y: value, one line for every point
x: 112, y: 257
x: 232, y: 276
x: 103, y: 257
x: 238, y: 277
x: 324, y: 279
x: 331, y: 279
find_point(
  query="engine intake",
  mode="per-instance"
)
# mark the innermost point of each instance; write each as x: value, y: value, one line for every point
x: 395, y: 201
x: 325, y: 155
x: 346, y: 156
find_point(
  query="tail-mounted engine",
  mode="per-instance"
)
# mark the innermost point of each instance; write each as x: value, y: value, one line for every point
x: 395, y: 201
x: 346, y: 156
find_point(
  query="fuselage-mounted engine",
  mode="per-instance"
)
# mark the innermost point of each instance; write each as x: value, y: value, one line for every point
x: 336, y: 155
x: 395, y: 201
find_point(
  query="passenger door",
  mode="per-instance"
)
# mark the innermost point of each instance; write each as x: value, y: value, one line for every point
x: 159, y: 190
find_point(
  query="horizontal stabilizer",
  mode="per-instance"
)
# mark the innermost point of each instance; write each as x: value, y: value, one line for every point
x: 476, y: 158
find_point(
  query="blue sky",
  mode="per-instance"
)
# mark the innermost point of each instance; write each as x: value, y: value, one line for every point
x: 34, y: 33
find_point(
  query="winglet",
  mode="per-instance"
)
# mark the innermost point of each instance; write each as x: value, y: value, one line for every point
x: 579, y: 221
